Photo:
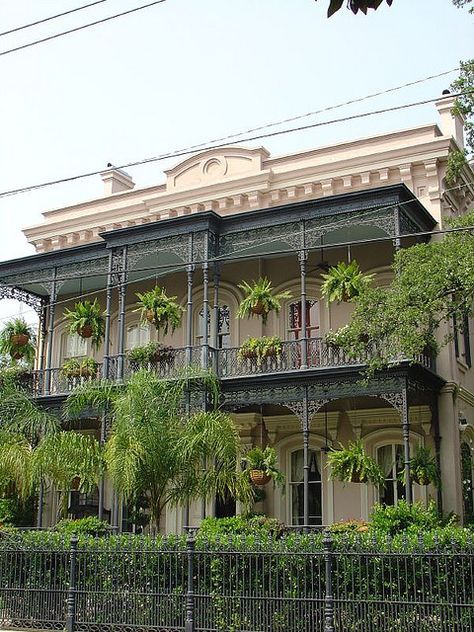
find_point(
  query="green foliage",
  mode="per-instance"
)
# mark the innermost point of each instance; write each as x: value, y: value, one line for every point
x: 432, y: 284
x: 344, y: 282
x: 75, y: 368
x: 212, y: 529
x: 260, y: 299
x: 456, y: 163
x: 89, y: 526
x: 424, y: 469
x: 151, y: 353
x: 15, y: 464
x: 8, y: 345
x: 13, y: 374
x: 265, y: 460
x: 414, y: 518
x: 464, y: 104
x: 260, y: 348
x: 16, y: 512
x: 360, y: 5
x: 156, y: 307
x: 87, y: 315
x: 352, y: 464
x: 155, y: 450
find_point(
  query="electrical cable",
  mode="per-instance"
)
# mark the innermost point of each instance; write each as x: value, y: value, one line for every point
x: 51, y: 17
x: 79, y: 28
x: 203, y: 147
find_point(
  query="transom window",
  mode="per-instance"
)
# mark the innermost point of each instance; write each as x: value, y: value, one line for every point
x: 296, y: 488
x: 74, y: 346
x: 137, y: 335
x: 391, y: 460
x: 294, y: 319
x: 223, y: 327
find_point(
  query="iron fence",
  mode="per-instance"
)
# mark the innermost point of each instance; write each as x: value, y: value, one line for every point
x: 313, y: 584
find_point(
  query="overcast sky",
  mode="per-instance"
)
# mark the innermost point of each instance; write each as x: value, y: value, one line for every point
x: 187, y: 71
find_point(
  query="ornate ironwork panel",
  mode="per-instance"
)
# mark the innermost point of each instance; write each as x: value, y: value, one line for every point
x: 18, y: 294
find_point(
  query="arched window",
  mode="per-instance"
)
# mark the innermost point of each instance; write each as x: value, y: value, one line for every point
x: 73, y: 346
x: 137, y: 335
x: 467, y: 483
x: 296, y: 488
x: 223, y: 327
x: 391, y: 459
x: 294, y: 319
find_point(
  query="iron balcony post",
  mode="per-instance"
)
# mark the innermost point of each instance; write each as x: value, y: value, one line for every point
x: 71, y: 595
x: 302, y: 256
x: 49, y: 355
x: 190, y: 551
x: 329, y: 597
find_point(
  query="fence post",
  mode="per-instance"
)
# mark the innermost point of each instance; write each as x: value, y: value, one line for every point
x: 71, y: 595
x: 190, y: 551
x: 329, y: 598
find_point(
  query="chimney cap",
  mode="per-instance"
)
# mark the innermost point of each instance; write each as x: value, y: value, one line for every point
x: 445, y: 91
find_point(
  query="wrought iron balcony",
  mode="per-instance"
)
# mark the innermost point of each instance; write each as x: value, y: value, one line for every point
x: 314, y: 354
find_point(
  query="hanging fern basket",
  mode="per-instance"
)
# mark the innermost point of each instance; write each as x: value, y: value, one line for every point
x: 85, y: 332
x: 259, y: 477
x: 150, y: 315
x: 420, y: 478
x: 258, y: 309
x: 17, y: 355
x: 356, y: 478
x: 19, y: 340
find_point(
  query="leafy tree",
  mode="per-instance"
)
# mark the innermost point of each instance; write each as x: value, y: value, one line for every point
x: 157, y: 449
x: 433, y: 283
x: 361, y: 5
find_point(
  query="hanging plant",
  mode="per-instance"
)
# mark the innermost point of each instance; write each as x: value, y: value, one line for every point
x: 261, y: 466
x: 354, y: 465
x: 17, y: 339
x: 156, y: 307
x: 344, y: 282
x: 260, y: 299
x: 423, y: 468
x: 151, y: 353
x: 80, y: 368
x: 87, y: 320
x: 260, y: 348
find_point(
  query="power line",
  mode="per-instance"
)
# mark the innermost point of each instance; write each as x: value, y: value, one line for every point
x: 51, y: 17
x: 79, y: 28
x: 171, y: 268
x: 203, y: 147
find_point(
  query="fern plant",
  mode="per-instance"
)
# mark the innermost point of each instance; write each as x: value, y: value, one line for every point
x: 156, y: 307
x: 260, y: 299
x: 87, y: 320
x: 80, y: 368
x: 344, y: 282
x: 354, y: 465
x: 17, y: 339
x: 260, y: 348
x: 423, y: 467
x: 261, y: 466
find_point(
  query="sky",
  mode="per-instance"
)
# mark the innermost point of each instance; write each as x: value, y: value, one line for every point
x: 187, y: 71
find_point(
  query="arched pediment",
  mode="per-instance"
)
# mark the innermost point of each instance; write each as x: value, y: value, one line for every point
x: 214, y: 165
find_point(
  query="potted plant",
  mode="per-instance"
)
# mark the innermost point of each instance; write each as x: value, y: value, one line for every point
x: 423, y: 467
x: 160, y: 309
x: 80, y: 368
x: 87, y: 320
x: 344, y: 282
x: 17, y: 339
x: 15, y: 373
x: 151, y: 353
x: 260, y: 299
x: 261, y: 466
x: 354, y: 465
x: 260, y: 348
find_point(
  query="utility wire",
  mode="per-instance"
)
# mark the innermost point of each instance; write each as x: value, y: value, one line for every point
x: 51, y: 17
x: 79, y: 28
x: 171, y: 268
x: 192, y: 149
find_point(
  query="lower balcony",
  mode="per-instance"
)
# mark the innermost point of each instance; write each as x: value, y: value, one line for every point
x: 295, y: 356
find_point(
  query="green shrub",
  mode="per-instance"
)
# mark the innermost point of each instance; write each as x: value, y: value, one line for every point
x: 250, y: 524
x: 16, y: 513
x: 90, y: 525
x: 415, y: 518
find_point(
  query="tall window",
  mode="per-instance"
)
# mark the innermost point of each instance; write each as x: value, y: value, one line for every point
x: 462, y: 340
x: 467, y: 483
x: 391, y: 460
x: 294, y: 319
x: 223, y: 327
x: 137, y: 335
x: 296, y: 488
x: 73, y: 346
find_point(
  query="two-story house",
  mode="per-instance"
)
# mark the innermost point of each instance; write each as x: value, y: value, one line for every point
x: 231, y: 214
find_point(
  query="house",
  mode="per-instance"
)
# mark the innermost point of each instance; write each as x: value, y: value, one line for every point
x: 231, y: 214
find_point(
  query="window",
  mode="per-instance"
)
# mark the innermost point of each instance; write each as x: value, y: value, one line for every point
x: 74, y: 346
x: 467, y: 483
x: 223, y: 327
x: 294, y: 319
x: 137, y: 335
x: 391, y: 460
x: 296, y: 488
x: 462, y: 341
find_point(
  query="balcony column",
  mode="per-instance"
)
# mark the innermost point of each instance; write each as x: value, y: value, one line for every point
x: 217, y: 280
x: 406, y: 444
x: 205, y: 315
x: 437, y: 444
x: 121, y: 322
x: 49, y: 354
x: 108, y: 308
x: 396, y: 223
x: 189, y: 310
x: 303, y: 256
x: 305, y: 424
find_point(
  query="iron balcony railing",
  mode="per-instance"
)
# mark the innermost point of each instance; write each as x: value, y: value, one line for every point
x: 295, y: 355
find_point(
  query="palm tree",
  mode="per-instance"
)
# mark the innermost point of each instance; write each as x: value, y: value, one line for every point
x: 157, y: 449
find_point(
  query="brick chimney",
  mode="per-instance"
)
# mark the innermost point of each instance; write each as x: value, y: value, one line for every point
x: 450, y: 125
x: 116, y: 180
